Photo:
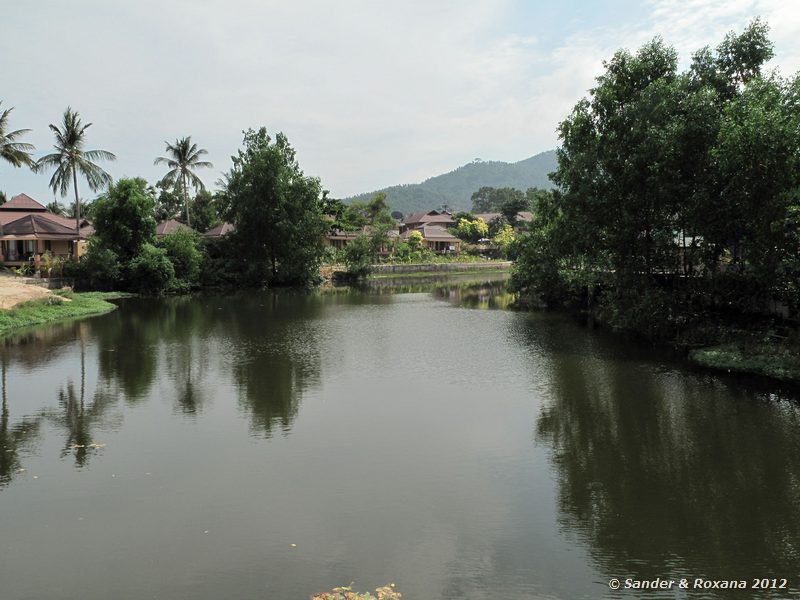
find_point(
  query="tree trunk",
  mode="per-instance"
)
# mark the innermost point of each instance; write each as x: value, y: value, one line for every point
x: 186, y: 200
x: 77, y: 212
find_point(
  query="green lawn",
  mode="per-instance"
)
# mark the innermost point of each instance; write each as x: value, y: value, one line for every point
x: 62, y: 305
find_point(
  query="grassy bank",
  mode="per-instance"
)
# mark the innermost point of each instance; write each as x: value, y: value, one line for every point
x: 722, y: 340
x: 777, y: 360
x: 61, y: 305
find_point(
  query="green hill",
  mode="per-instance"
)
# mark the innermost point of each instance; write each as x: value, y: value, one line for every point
x: 455, y: 188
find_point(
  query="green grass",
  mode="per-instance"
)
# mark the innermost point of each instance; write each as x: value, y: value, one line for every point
x: 777, y: 360
x: 62, y: 305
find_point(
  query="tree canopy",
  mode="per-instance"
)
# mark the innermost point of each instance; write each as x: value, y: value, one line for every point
x: 277, y: 211
x: 123, y: 218
x: 690, y: 175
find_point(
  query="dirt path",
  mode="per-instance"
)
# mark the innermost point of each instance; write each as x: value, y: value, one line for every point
x: 13, y: 292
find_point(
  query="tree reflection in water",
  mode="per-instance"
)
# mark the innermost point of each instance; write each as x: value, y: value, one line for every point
x: 187, y: 343
x: 15, y: 438
x: 669, y: 472
x: 274, y: 355
x: 76, y: 418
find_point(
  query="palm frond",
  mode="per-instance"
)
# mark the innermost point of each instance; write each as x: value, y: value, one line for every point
x: 70, y: 158
x: 15, y: 152
x: 100, y: 155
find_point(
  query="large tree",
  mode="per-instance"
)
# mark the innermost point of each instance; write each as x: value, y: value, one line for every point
x: 276, y: 210
x: 184, y: 157
x: 123, y: 218
x: 15, y: 152
x: 70, y: 158
x: 691, y: 176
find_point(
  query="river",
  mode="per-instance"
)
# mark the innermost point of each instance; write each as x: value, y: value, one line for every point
x: 273, y: 445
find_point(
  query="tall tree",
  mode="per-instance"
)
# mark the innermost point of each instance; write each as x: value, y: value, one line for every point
x: 277, y: 211
x: 184, y: 156
x: 17, y: 153
x: 123, y: 218
x: 70, y: 158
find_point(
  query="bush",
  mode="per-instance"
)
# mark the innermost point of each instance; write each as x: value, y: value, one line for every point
x: 358, y: 256
x: 182, y: 250
x: 98, y: 269
x: 222, y: 266
x: 151, y: 271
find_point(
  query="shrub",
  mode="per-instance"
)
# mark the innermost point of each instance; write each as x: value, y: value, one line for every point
x: 358, y: 256
x: 182, y: 250
x: 151, y: 271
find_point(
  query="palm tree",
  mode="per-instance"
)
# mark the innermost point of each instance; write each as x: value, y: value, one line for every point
x: 55, y: 208
x: 70, y: 158
x: 185, y: 156
x: 17, y: 153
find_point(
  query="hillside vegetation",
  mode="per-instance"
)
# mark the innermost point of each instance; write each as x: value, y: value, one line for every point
x: 455, y: 188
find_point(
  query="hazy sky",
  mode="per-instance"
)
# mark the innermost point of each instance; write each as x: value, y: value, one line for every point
x: 369, y: 93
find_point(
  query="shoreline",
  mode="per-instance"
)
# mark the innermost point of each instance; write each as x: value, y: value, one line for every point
x: 725, y: 347
x: 62, y: 305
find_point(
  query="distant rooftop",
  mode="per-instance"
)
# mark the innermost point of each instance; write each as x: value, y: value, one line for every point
x: 23, y: 202
x: 220, y: 230
x: 167, y: 227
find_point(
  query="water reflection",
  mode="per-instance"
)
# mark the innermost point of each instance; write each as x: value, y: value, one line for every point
x: 275, y: 354
x: 16, y: 438
x: 658, y: 470
x: 485, y: 295
x: 468, y: 290
x: 664, y: 473
x: 187, y: 346
x: 127, y: 343
x: 79, y: 420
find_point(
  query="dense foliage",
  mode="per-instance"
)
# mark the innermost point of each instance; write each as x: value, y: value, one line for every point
x: 357, y: 215
x: 124, y: 254
x: 677, y: 191
x: 123, y: 218
x: 277, y: 212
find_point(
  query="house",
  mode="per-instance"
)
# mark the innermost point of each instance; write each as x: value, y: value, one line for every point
x: 166, y: 227
x: 339, y: 239
x: 219, y: 231
x: 522, y: 216
x: 27, y: 229
x: 432, y: 217
x: 436, y: 238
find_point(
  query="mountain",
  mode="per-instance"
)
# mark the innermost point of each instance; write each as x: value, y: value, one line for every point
x: 455, y: 188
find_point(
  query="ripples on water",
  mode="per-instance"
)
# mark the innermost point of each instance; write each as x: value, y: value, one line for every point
x: 178, y: 448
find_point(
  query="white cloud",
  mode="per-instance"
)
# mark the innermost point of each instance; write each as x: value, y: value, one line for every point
x: 370, y: 94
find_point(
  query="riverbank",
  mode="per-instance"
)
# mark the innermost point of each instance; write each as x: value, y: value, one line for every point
x: 378, y: 271
x: 777, y: 360
x: 56, y: 306
x: 762, y: 345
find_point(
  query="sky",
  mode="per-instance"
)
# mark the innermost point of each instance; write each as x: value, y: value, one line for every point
x: 369, y: 93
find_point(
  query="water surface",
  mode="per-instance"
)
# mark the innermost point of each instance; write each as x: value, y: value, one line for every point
x: 272, y: 445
